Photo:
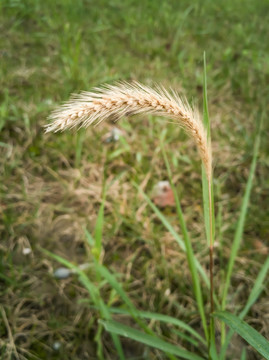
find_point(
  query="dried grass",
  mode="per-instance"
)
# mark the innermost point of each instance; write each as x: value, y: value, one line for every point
x: 124, y: 99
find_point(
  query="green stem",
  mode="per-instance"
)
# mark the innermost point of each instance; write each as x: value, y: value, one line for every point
x: 189, y: 252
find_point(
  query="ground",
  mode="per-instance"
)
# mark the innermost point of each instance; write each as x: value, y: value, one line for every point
x: 51, y: 184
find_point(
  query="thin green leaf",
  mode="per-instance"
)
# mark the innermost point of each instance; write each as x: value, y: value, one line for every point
x: 189, y: 250
x: 89, y: 238
x: 163, y: 318
x: 244, y: 354
x: 209, y: 214
x: 170, y: 228
x: 104, y: 272
x: 185, y: 337
x: 123, y: 330
x: 212, y: 341
x: 205, y: 102
x: 204, y: 177
x: 94, y: 294
x: 98, y: 233
x: 253, y: 296
x: 206, y: 204
x: 256, y: 340
x: 242, y: 218
x: 256, y: 290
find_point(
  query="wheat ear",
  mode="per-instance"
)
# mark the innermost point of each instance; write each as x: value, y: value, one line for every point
x: 125, y: 99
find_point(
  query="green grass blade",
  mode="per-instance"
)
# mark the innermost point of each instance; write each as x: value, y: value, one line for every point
x: 117, y: 343
x: 94, y: 294
x: 170, y: 228
x: 206, y: 122
x: 123, y: 330
x: 256, y: 340
x: 257, y: 289
x: 163, y: 219
x: 244, y: 354
x: 253, y: 296
x: 89, y: 238
x: 185, y: 337
x: 189, y: 250
x: 93, y: 291
x: 104, y: 272
x: 205, y: 102
x: 98, y: 232
x: 209, y: 215
x: 163, y: 318
x: 111, y: 279
x: 206, y: 205
x: 205, y: 185
x: 242, y: 218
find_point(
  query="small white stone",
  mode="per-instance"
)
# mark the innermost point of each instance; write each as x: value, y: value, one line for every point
x: 167, y: 292
x: 26, y: 251
x: 62, y: 273
x: 56, y: 345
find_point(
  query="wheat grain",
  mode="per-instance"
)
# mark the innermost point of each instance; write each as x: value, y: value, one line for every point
x: 125, y: 99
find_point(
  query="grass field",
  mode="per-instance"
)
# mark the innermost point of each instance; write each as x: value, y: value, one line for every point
x: 51, y: 185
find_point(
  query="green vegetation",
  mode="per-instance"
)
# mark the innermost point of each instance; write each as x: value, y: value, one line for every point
x: 57, y: 190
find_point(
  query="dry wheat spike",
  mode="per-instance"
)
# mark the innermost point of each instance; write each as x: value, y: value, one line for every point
x: 125, y: 99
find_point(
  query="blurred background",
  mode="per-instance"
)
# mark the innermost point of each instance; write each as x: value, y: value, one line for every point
x: 51, y: 185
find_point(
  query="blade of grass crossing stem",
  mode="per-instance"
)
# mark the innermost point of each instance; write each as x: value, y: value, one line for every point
x: 123, y: 330
x: 244, y: 354
x: 209, y: 215
x: 256, y: 290
x: 170, y: 228
x: 185, y: 337
x: 256, y: 340
x: 98, y: 232
x: 189, y: 250
x: 96, y: 298
x: 253, y: 296
x: 112, y: 280
x: 206, y: 197
x: 162, y: 318
x: 205, y: 102
x: 104, y: 272
x: 89, y: 238
x: 206, y: 205
x: 242, y: 218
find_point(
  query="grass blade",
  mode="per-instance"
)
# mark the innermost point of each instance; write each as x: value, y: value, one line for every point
x: 209, y: 215
x: 244, y: 354
x: 189, y: 250
x: 205, y: 185
x: 242, y: 218
x: 170, y: 228
x: 95, y: 296
x: 123, y: 330
x: 253, y: 296
x: 256, y: 340
x: 98, y: 233
x: 257, y: 289
x: 163, y: 318
x: 104, y: 272
x: 185, y: 337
